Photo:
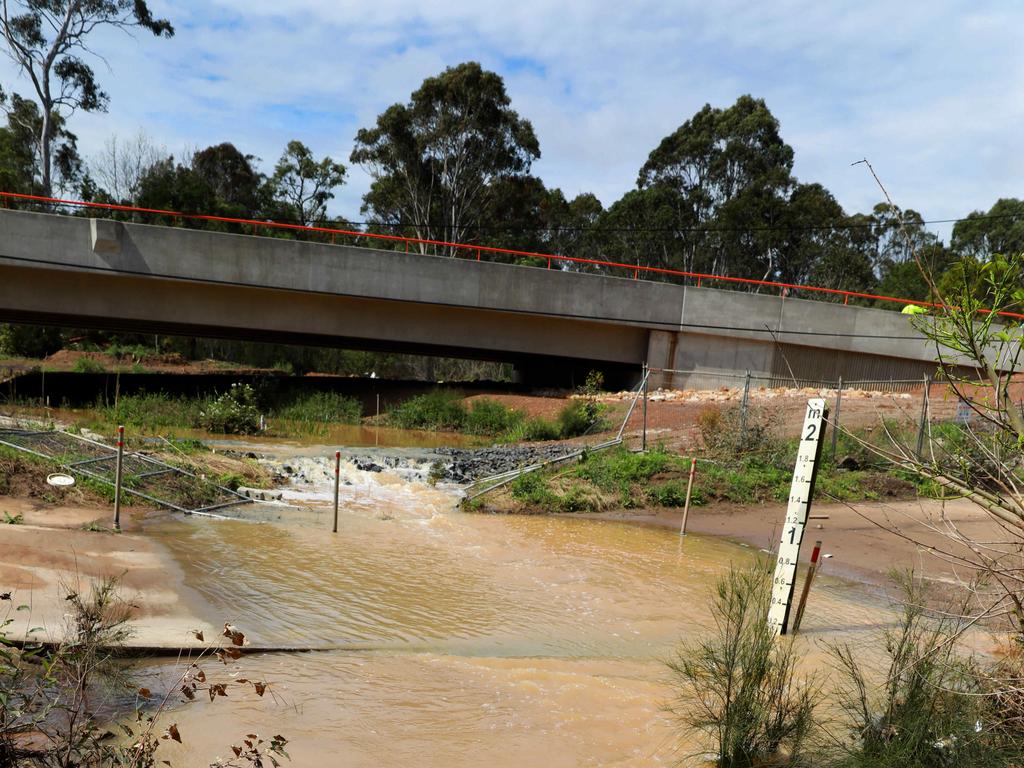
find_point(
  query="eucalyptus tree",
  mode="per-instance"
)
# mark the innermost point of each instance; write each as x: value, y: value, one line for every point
x: 302, y: 185
x: 48, y: 41
x: 436, y: 159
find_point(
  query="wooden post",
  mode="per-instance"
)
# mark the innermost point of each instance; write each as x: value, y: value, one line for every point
x: 835, y: 419
x: 923, y: 427
x: 689, y: 490
x: 337, y: 482
x: 643, y: 441
x: 807, y: 586
x: 800, y: 495
x: 743, y: 405
x: 117, y: 478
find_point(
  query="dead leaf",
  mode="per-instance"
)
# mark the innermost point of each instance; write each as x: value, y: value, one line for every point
x: 189, y: 693
x: 145, y: 693
x: 199, y: 634
x: 260, y: 688
x: 236, y: 750
x: 172, y: 731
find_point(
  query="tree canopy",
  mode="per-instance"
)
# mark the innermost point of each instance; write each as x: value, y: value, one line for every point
x: 436, y: 160
x: 48, y: 41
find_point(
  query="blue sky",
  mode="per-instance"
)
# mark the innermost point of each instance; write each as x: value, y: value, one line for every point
x: 928, y: 91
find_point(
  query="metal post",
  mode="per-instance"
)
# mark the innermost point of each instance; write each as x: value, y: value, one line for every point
x: 924, y: 418
x: 117, y: 478
x: 643, y: 443
x: 337, y: 482
x: 743, y: 407
x: 807, y: 586
x: 689, y: 490
x: 835, y: 420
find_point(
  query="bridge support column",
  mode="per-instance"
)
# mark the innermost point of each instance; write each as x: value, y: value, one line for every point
x: 663, y: 350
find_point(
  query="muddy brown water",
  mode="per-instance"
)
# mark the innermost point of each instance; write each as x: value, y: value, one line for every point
x: 463, y: 640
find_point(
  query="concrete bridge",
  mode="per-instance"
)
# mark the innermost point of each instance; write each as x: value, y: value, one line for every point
x: 553, y: 325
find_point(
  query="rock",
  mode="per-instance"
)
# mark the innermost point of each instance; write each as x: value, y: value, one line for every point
x: 261, y: 494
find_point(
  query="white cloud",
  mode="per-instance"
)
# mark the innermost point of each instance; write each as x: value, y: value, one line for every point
x: 925, y: 90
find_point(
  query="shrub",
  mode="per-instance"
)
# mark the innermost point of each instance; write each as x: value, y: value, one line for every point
x: 578, y: 417
x: 437, y: 410
x: 489, y: 417
x: 532, y: 489
x: 670, y: 494
x: 88, y: 365
x: 594, y: 383
x: 538, y: 429
x: 935, y: 707
x: 730, y: 434
x: 153, y: 411
x: 233, y: 413
x: 739, y: 686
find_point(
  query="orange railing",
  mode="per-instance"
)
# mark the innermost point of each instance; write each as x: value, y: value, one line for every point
x: 478, y: 250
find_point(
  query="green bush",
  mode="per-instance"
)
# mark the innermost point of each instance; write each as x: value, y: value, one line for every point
x: 578, y: 417
x: 321, y: 407
x: 156, y: 410
x: 532, y: 489
x: 88, y: 365
x: 233, y: 413
x: 670, y: 494
x: 489, y: 417
x: 538, y: 430
x: 738, y: 687
x: 440, y: 409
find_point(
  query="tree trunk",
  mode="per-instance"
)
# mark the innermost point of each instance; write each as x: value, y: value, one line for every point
x: 45, y: 157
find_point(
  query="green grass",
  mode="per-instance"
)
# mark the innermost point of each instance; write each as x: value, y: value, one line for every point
x: 619, y: 478
x: 151, y: 411
x: 320, y: 407
x: 446, y: 410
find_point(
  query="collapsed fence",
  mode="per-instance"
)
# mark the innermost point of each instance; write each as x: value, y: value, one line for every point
x: 143, y: 476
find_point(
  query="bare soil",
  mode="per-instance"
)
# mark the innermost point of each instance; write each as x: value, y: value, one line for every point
x: 51, y: 553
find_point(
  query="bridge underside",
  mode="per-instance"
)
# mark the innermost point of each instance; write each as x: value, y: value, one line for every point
x: 553, y: 325
x: 182, y: 308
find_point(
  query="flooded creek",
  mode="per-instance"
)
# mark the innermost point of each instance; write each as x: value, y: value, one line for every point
x: 456, y: 639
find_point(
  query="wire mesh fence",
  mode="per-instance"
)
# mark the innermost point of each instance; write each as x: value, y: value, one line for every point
x: 143, y: 476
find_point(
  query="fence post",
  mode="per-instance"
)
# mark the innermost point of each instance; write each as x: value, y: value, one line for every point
x: 337, y: 482
x: 117, y: 478
x: 743, y: 406
x: 835, y: 420
x: 807, y: 586
x: 643, y: 440
x: 924, y: 418
x: 689, y: 490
